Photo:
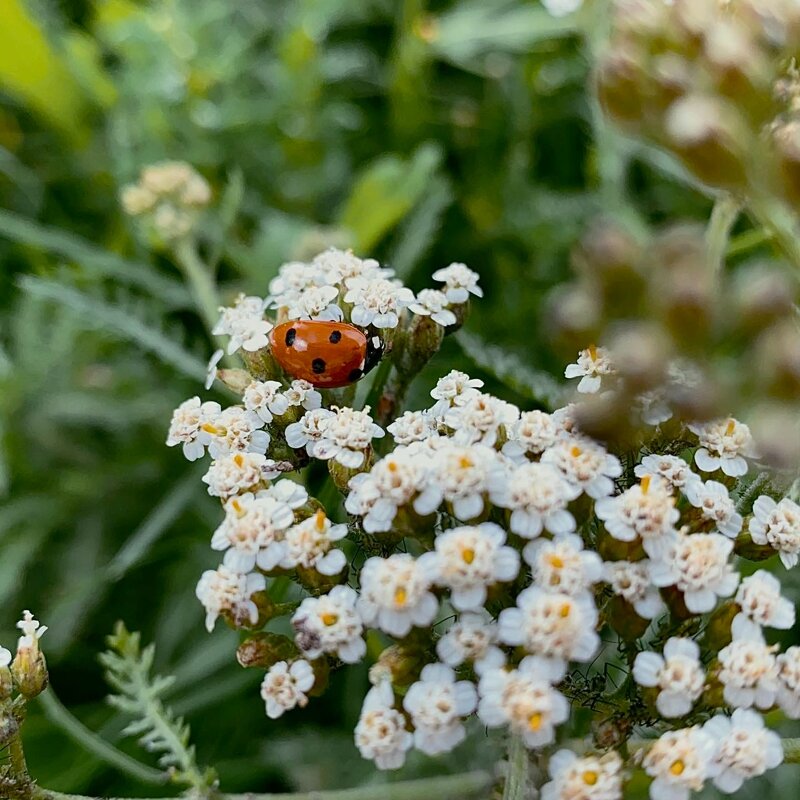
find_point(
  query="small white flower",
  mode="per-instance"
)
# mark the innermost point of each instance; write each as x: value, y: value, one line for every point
x: 749, y: 670
x: 592, y: 364
x: 469, y: 559
x: 436, y: 703
x: 345, y: 436
x: 471, y: 638
x: 285, y: 687
x: 381, y: 735
x: 238, y: 472
x: 713, y: 499
x: 759, y: 598
x: 537, y: 496
x: 188, y: 426
x: 524, y: 699
x: 32, y: 631
x: 376, y: 301
x: 287, y: 492
x: 395, y: 594
x: 236, y: 430
x: 454, y: 389
x: 460, y: 281
x: 315, y: 302
x: 745, y: 748
x: 587, y: 778
x: 679, y: 761
x: 245, y: 324
x: 223, y: 590
x: 554, y: 625
x: 330, y: 624
x: 531, y: 435
x: 675, y: 471
x: 5, y: 657
x: 630, y: 580
x: 788, y: 665
x: 211, y: 369
x: 302, y: 393
x: 340, y: 265
x: 308, y: 430
x: 252, y: 532
x: 678, y: 674
x: 698, y: 566
x: 561, y: 8
x: 645, y: 511
x: 480, y: 419
x: 433, y: 303
x: 265, y: 400
x: 724, y: 444
x: 309, y: 544
x: 562, y: 565
x: 586, y: 464
x: 293, y: 278
x: 778, y: 525
x: 653, y: 407
x: 413, y: 426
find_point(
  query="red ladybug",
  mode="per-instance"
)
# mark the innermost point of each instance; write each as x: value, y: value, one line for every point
x: 326, y: 354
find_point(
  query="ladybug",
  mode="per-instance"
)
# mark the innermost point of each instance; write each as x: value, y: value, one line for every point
x: 326, y: 354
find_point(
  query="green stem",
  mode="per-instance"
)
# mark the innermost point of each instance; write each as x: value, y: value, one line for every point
x: 747, y: 241
x: 723, y: 218
x: 451, y: 787
x: 517, y: 780
x: 17, y: 755
x: 55, y: 711
x: 200, y: 280
x: 780, y: 223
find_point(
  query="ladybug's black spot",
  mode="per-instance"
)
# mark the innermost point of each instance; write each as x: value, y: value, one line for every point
x: 355, y: 375
x: 335, y: 337
x: 318, y: 366
x: 290, y: 337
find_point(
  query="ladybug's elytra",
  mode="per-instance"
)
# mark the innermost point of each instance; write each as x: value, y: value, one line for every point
x: 326, y: 354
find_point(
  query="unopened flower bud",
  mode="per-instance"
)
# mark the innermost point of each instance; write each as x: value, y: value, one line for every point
x: 265, y: 649
x: 641, y: 353
x: 718, y: 631
x: 400, y: 663
x: 261, y: 364
x: 28, y: 667
x: 763, y: 296
x: 237, y: 380
x: 6, y: 682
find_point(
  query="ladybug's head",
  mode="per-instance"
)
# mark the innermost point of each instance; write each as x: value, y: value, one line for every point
x: 375, y: 351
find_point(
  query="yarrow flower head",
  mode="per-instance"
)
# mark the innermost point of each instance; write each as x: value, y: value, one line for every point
x: 761, y: 603
x: 315, y: 302
x: 630, y: 580
x: 245, y: 324
x: 679, y: 763
x: 671, y: 469
x: 678, y: 675
x: 471, y: 638
x: 345, y: 436
x: 330, y: 624
x: 788, y: 666
x: 238, y: 472
x: 413, y: 426
x: 562, y: 565
x: 265, y: 399
x: 454, y: 389
x: 460, y: 281
x: 188, y: 426
x: 716, y: 505
x: 310, y: 544
x: 748, y: 670
x: 434, y: 304
x: 585, y: 464
x: 224, y: 591
x: 480, y: 419
x: 376, y: 301
x: 302, y: 393
x: 381, y: 734
x: 592, y: 364
x: 285, y: 687
x: 724, y: 444
x: 530, y: 435
x: 587, y: 778
x: 777, y: 525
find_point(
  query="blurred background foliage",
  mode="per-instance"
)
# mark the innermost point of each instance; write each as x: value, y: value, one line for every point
x: 417, y: 132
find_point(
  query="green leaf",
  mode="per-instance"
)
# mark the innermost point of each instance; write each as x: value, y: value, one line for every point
x: 123, y: 318
x: 385, y: 192
x: 507, y: 368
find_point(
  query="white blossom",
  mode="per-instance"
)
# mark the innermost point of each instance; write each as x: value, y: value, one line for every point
x: 245, y: 324
x: 678, y: 675
x: 672, y: 469
x: 480, y: 419
x: 715, y: 503
x: 748, y: 670
x: 223, y: 590
x: 745, y: 748
x: 469, y: 559
x: 530, y: 435
x: 381, y: 735
x: 778, y: 525
x: 265, y: 399
x: 630, y: 580
x: 396, y: 595
x: 698, y: 566
x: 471, y: 638
x: 436, y: 703
x: 288, y: 492
x: 315, y: 302
x: 238, y: 472
x: 524, y: 699
x: 285, y: 687
x: 588, y: 778
x: 32, y: 631
x: 646, y: 511
x: 759, y: 598
x: 345, y: 436
x: 553, y: 625
x: 340, y: 265
x: 376, y: 301
x: 454, y: 389
x: 188, y: 426
x: 292, y: 280
x: 308, y: 430
x: 310, y: 544
x: 788, y: 666
x: 562, y: 565
x: 586, y: 464
x: 653, y: 407
x: 302, y: 393
x: 433, y: 303
x: 724, y: 444
x: 330, y: 624
x: 460, y: 281
x: 413, y: 426
x: 235, y: 430
x: 211, y: 368
x: 537, y: 496
x: 561, y: 8
x: 5, y: 657
x: 592, y: 364
x: 679, y: 762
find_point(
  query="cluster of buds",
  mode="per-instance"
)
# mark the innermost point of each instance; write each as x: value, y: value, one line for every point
x: 682, y: 342
x: 712, y: 82
x: 167, y: 200
x: 504, y: 557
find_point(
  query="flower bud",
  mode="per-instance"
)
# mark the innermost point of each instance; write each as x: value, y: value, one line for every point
x: 400, y: 663
x: 262, y: 365
x: 718, y: 630
x: 763, y: 295
x: 421, y: 342
x: 641, y: 352
x: 28, y: 667
x: 317, y: 583
x: 622, y: 617
x: 237, y: 380
x: 265, y: 649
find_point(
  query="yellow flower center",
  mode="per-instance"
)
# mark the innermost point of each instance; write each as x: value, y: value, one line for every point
x: 564, y: 611
x: 238, y: 459
x: 319, y: 520
x: 645, y: 484
x: 731, y: 427
x: 468, y: 554
x: 556, y: 562
x: 575, y: 451
x: 329, y: 618
x: 400, y: 596
x: 535, y: 721
x: 465, y: 463
x: 392, y: 466
x: 592, y: 348
x: 590, y: 777
x: 677, y: 767
x: 209, y: 427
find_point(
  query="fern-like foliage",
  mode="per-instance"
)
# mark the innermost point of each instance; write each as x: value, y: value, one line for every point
x: 128, y: 671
